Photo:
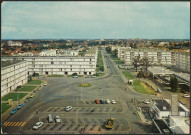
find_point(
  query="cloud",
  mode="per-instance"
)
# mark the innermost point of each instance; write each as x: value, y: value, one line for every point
x: 77, y: 19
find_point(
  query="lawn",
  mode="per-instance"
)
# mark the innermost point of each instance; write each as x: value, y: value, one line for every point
x: 26, y: 88
x: 140, y: 87
x: 119, y: 61
x: 128, y: 75
x: 4, y: 107
x: 36, y: 82
x: 114, y: 57
x: 100, y: 74
x: 100, y: 66
x: 14, y: 96
x: 55, y: 75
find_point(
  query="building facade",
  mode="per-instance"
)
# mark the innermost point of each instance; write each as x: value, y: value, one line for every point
x: 183, y: 61
x: 157, y: 57
x: 61, y: 65
x: 13, y: 74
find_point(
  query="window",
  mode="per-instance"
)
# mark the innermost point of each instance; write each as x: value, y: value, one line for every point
x: 90, y: 59
x: 52, y: 62
x: 71, y: 69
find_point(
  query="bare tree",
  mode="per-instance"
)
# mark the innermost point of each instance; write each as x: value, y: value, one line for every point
x: 146, y: 63
x: 136, y: 62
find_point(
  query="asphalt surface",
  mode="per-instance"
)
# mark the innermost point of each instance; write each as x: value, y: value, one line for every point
x: 63, y: 91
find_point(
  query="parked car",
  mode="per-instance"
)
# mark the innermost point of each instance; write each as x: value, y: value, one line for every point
x: 186, y: 95
x: 102, y: 101
x: 45, y: 84
x: 93, y: 76
x: 38, y: 125
x: 68, y: 108
x: 97, y: 101
x: 57, y: 119
x: 50, y: 119
x: 20, y: 106
x: 108, y: 101
x: 146, y: 101
x: 113, y: 101
x: 27, y: 100
x: 32, y: 95
x: 13, y: 111
x: 87, y: 76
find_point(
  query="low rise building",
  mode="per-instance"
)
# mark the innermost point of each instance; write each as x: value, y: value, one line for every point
x: 48, y: 53
x: 162, y: 109
x: 13, y: 74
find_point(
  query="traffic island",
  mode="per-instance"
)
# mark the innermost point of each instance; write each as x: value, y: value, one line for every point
x: 85, y: 85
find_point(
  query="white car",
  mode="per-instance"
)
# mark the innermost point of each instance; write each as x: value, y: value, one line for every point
x: 146, y: 101
x: 45, y: 84
x: 68, y: 108
x: 38, y: 125
x: 186, y: 95
x: 113, y: 101
x: 57, y: 119
x: 108, y: 101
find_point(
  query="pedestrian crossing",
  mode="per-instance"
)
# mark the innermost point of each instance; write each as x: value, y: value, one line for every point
x: 14, y: 124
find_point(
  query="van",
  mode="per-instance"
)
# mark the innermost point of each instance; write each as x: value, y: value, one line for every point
x: 50, y: 118
x: 159, y: 90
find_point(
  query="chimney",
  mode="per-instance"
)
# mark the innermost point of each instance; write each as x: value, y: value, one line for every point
x: 164, y: 107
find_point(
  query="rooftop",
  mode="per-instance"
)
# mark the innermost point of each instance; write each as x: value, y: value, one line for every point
x: 159, y: 70
x: 9, y: 62
x: 163, y: 103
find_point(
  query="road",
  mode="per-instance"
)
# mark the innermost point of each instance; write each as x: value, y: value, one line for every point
x: 63, y: 91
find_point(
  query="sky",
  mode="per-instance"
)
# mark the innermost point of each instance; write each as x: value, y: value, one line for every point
x: 95, y: 20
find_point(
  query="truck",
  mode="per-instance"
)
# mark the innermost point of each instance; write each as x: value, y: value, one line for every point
x: 109, y: 124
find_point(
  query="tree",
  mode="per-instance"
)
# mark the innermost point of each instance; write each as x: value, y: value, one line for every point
x: 108, y: 49
x: 146, y: 63
x: 174, y: 83
x: 136, y: 61
x: 115, y: 52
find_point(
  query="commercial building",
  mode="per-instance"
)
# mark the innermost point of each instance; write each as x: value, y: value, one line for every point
x: 61, y: 65
x: 13, y: 74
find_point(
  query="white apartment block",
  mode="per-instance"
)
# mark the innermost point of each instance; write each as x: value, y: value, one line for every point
x: 48, y: 53
x: 183, y: 61
x: 13, y: 74
x: 61, y: 65
x: 156, y: 57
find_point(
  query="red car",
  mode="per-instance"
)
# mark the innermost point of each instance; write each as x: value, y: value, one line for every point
x: 97, y: 101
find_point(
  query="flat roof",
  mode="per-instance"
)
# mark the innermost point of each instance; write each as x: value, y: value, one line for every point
x: 161, y: 103
x: 9, y: 62
x: 159, y: 70
x: 183, y: 76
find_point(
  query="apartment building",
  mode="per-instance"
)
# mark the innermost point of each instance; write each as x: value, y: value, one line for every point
x: 183, y: 61
x: 13, y: 74
x: 48, y: 53
x: 156, y: 56
x: 61, y: 65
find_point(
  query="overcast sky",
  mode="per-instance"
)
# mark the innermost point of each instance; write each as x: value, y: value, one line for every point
x: 100, y: 20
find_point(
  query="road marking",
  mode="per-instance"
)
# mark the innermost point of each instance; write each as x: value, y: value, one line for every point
x: 23, y: 124
x: 13, y: 124
x: 4, y: 123
x: 20, y: 123
x: 10, y: 124
x: 17, y: 123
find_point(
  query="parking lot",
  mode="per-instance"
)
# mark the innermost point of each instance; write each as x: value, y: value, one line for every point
x: 75, y: 125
